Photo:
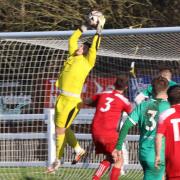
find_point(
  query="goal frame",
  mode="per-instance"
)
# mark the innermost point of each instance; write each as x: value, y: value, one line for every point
x: 42, y: 34
x: 48, y: 115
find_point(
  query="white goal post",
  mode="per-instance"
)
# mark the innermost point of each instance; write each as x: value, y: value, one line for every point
x: 29, y: 66
x: 150, y: 42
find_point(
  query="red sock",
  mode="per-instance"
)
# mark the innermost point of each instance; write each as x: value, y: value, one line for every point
x: 115, y: 173
x: 101, y: 169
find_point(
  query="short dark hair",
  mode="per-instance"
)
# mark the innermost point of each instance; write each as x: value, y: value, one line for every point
x: 174, y: 94
x: 88, y: 44
x: 159, y: 84
x: 121, y: 82
x: 165, y: 68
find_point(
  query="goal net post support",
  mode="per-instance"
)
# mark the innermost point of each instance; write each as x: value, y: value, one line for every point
x: 51, y: 136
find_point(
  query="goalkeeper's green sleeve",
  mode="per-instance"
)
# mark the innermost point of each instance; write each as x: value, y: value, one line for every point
x: 122, y: 134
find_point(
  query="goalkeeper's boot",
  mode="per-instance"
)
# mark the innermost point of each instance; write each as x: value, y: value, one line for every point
x: 78, y: 156
x: 53, y: 167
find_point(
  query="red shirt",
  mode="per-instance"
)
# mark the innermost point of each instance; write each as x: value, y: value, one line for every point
x: 109, y: 106
x: 169, y: 126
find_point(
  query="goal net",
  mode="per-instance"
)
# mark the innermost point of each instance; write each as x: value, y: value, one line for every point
x: 29, y: 66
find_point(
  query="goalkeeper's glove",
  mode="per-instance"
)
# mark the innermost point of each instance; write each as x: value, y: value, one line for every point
x: 100, y: 25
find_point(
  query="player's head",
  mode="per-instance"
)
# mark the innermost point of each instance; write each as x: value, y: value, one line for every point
x: 121, y: 83
x: 159, y: 85
x: 174, y: 94
x: 83, y: 48
x: 166, y: 72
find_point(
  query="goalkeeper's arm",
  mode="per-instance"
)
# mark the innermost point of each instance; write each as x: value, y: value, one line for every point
x: 73, y: 40
x: 96, y: 41
x: 91, y: 56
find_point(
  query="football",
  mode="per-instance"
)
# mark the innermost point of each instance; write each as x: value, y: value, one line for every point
x: 93, y: 18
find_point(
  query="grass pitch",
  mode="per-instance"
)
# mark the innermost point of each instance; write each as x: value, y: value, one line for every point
x: 38, y: 173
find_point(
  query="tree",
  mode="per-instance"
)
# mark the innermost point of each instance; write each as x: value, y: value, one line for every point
x: 42, y: 15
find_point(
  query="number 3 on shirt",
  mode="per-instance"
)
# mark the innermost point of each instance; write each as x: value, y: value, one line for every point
x: 152, y: 120
x: 108, y: 104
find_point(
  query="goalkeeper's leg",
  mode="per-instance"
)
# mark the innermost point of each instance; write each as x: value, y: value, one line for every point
x: 60, y: 144
x: 72, y: 141
x: 65, y: 111
x: 71, y: 138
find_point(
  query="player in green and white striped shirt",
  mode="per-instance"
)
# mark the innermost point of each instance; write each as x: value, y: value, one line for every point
x: 146, y: 116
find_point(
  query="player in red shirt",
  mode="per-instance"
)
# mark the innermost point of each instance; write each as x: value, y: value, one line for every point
x: 109, y: 107
x: 169, y: 127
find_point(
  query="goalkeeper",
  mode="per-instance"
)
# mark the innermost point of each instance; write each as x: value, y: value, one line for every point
x: 164, y: 72
x: 146, y: 116
x: 70, y: 82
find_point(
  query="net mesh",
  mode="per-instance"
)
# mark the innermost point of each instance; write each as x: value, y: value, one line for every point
x: 155, y: 46
x: 28, y: 71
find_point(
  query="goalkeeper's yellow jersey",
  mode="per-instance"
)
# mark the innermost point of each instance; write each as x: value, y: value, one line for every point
x: 76, y: 68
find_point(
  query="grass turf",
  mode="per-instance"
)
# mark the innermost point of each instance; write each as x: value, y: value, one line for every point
x: 38, y: 173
